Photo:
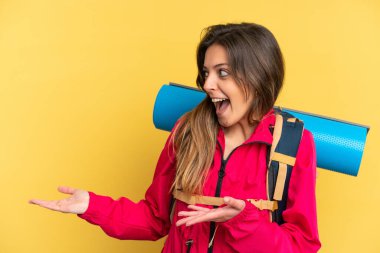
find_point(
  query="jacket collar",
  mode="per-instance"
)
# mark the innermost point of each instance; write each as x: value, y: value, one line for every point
x: 261, y: 133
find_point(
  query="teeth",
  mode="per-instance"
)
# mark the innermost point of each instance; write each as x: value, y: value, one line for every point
x: 215, y: 100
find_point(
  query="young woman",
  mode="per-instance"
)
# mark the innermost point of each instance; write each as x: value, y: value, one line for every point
x: 218, y: 149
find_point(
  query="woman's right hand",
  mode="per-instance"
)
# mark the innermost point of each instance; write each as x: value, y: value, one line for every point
x: 77, y: 203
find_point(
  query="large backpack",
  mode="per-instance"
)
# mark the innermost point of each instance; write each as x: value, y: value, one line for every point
x: 287, y: 134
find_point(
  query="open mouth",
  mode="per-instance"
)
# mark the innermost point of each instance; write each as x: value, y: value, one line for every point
x: 221, y: 104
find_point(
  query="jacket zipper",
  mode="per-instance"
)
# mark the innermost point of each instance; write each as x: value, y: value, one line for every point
x: 221, y: 175
x: 188, y: 244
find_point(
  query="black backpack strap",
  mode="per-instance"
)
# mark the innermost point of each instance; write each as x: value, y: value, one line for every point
x: 287, y: 136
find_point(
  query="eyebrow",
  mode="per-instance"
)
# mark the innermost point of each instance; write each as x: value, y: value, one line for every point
x: 217, y: 65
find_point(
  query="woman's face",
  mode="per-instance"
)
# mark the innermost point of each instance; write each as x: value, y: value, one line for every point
x: 229, y: 99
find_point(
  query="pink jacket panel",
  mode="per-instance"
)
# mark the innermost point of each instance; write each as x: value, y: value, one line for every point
x: 245, y: 177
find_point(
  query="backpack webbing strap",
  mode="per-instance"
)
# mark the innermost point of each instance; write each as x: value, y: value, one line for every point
x: 280, y: 182
x: 281, y: 176
x: 276, y: 135
x: 217, y: 201
x: 289, y: 160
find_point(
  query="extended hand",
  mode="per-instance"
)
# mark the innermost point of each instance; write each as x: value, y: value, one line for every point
x: 77, y: 203
x: 201, y: 214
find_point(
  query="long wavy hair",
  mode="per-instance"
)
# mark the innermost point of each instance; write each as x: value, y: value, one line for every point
x: 257, y: 66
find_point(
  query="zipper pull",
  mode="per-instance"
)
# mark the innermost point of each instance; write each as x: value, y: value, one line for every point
x: 222, y: 172
x: 212, y: 239
x: 188, y: 243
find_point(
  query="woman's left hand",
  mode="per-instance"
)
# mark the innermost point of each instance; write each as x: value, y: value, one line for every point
x: 201, y: 214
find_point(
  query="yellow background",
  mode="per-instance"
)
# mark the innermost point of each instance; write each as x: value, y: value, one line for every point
x: 78, y: 81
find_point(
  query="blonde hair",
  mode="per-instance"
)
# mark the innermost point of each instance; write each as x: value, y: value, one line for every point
x: 194, y: 141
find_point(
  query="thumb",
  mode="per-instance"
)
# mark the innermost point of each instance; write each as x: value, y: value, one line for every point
x: 234, y: 203
x: 66, y: 190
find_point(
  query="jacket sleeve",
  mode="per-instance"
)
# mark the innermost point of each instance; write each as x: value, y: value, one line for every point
x: 299, y: 233
x: 146, y: 220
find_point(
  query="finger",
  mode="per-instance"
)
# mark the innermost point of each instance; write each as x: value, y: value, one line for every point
x: 198, y: 208
x: 210, y: 216
x: 33, y: 201
x: 38, y: 202
x: 66, y: 189
x: 189, y: 213
x: 183, y: 221
x: 235, y: 203
x: 52, y: 205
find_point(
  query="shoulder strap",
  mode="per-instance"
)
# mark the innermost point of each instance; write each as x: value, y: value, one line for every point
x: 287, y: 136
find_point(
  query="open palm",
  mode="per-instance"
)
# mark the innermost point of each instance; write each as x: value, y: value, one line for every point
x: 76, y: 203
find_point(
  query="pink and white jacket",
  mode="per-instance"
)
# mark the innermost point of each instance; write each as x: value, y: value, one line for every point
x: 245, y: 178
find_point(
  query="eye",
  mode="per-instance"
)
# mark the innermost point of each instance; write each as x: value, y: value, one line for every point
x: 223, y: 73
x: 205, y: 74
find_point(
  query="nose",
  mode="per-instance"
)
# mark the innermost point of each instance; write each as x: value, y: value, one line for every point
x: 210, y: 84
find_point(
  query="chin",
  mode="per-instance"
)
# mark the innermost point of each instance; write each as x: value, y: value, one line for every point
x: 224, y: 123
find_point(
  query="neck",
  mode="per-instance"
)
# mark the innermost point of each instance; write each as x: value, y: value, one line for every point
x: 237, y: 134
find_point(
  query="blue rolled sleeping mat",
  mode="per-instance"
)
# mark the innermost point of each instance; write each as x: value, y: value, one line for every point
x: 339, y: 144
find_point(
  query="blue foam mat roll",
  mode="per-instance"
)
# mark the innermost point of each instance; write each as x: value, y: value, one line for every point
x: 339, y: 144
